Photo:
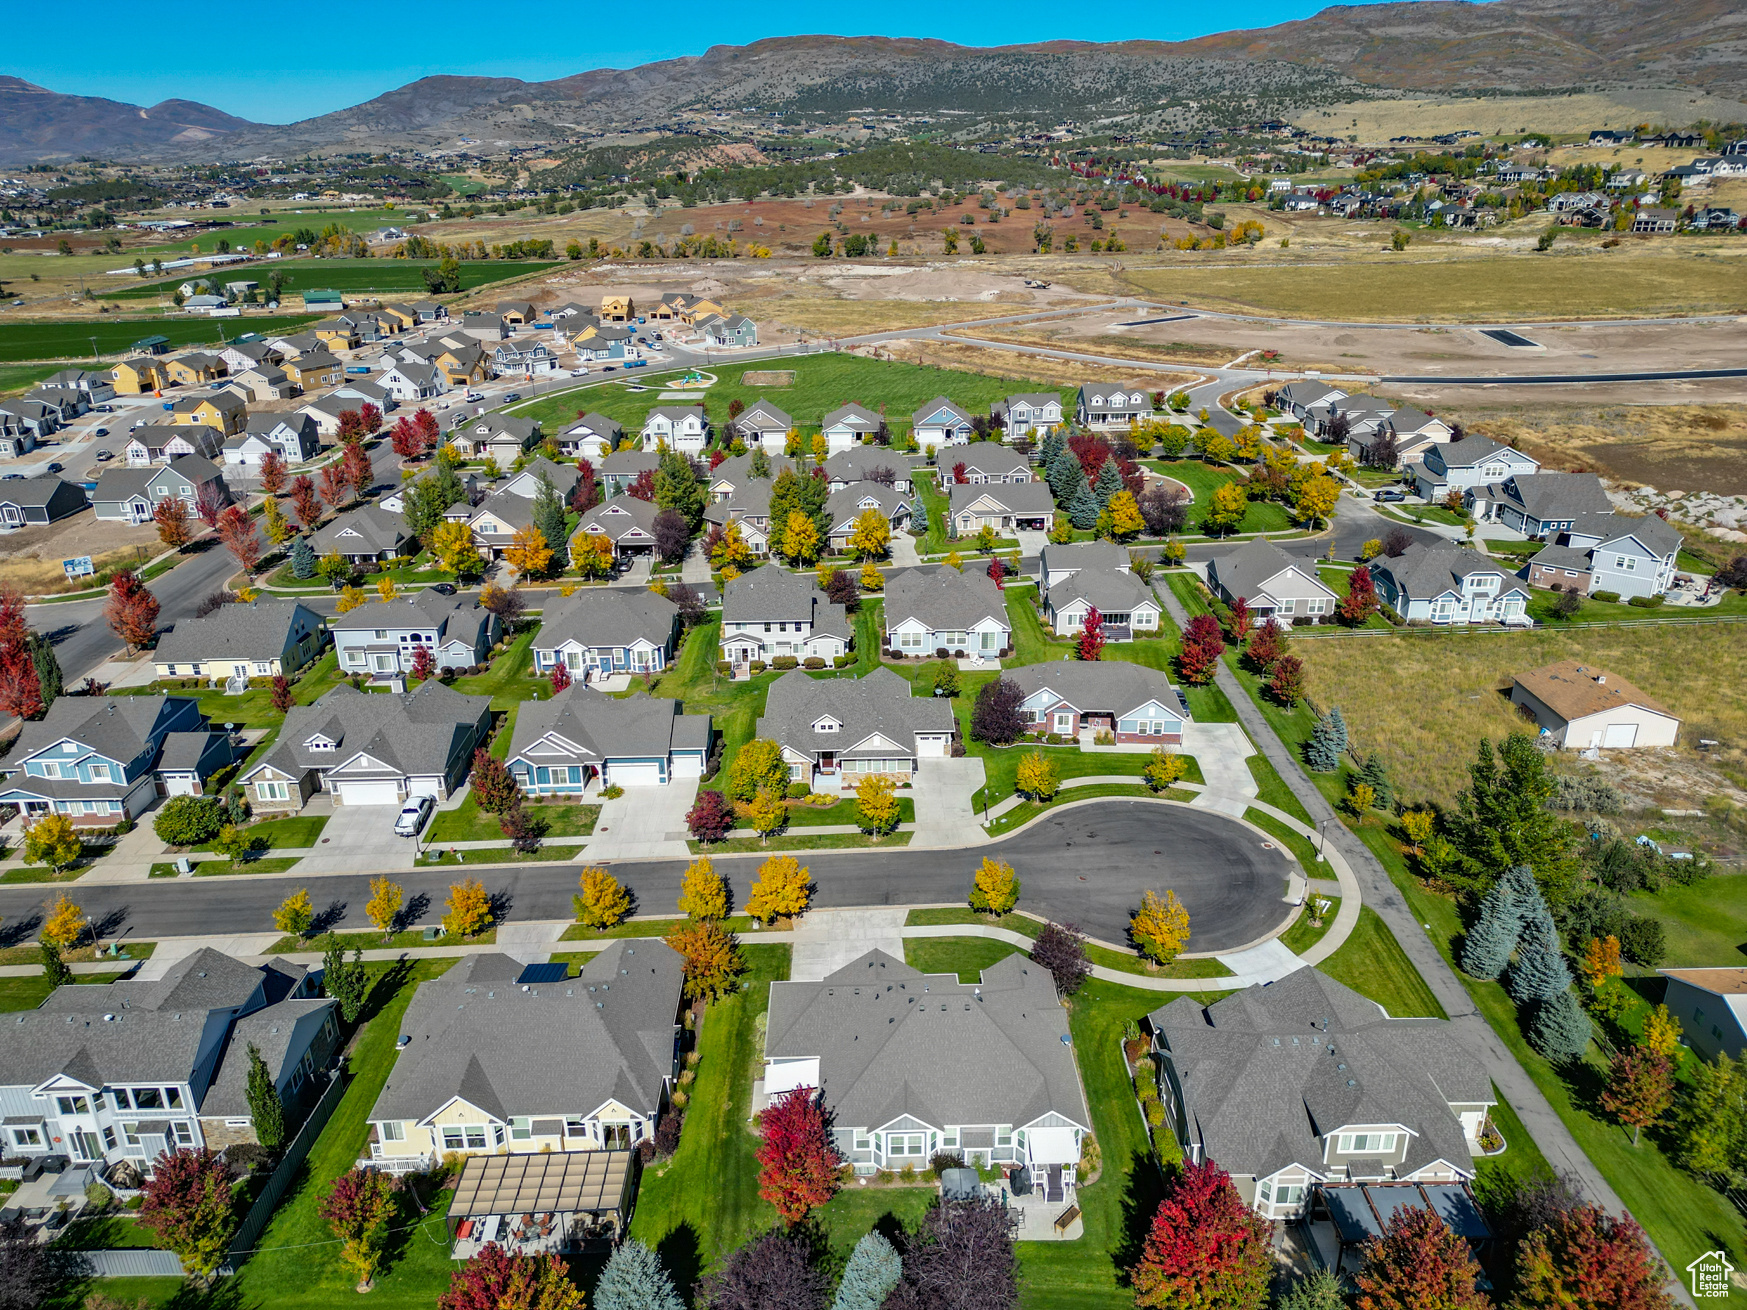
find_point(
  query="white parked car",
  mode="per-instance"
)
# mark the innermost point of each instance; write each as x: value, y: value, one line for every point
x: 413, y: 816
x: 579, y: 372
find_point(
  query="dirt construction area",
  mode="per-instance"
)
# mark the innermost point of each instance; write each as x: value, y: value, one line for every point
x: 30, y: 558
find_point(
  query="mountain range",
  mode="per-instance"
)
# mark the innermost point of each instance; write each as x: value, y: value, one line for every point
x: 1345, y: 52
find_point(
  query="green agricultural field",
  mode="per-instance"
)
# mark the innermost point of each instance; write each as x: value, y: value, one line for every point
x: 348, y: 276
x: 72, y: 339
x: 821, y: 384
x: 21, y: 377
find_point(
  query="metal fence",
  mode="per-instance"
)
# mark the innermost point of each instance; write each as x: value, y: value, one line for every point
x: 133, y: 1263
x: 243, y: 1244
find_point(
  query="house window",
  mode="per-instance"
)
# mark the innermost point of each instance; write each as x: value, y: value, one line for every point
x: 905, y: 1143
x: 1367, y: 1143
x: 1286, y: 605
x: 72, y: 1105
x: 272, y: 791
x: 26, y: 1137
x: 1627, y: 563
x: 99, y: 773
x: 453, y: 1139
x: 393, y: 1131
x: 130, y: 1133
x: 182, y: 1133
x: 910, y: 641
x: 1312, y: 606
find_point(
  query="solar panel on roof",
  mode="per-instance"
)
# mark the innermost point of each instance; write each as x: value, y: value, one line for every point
x: 557, y: 971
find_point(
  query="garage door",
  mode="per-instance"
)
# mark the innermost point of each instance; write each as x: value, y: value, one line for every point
x: 369, y: 793
x: 635, y: 775
x: 1620, y: 735
x: 431, y: 787
x: 932, y: 746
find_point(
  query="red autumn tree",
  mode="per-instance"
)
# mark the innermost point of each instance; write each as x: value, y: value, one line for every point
x: 305, y: 503
x: 998, y: 573
x: 1089, y: 645
x: 356, y: 469
x: 20, y: 689
x: 237, y: 531
x: 210, y: 502
x: 131, y: 610
x: 1586, y: 1259
x: 560, y: 677
x: 1203, y: 644
x: 1360, y: 602
x: 587, y: 494
x: 1205, y: 1248
x: 1242, y: 621
x: 282, y: 698
x: 424, y: 663
x: 1640, y: 1087
x: 797, y: 1164
x: 1286, y: 680
x: 351, y: 426
x: 494, y: 786
x: 1417, y: 1263
x: 406, y: 439
x: 961, y: 473
x: 429, y: 428
x: 187, y: 1203
x: 171, y: 516
x: 272, y: 473
x: 370, y: 419
x: 496, y: 1280
x: 1267, y: 644
x: 711, y: 817
x: 336, y: 487
x: 13, y: 629
x: 643, y: 488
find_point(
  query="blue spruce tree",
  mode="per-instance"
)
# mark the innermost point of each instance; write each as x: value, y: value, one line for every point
x: 634, y: 1279
x: 1338, y: 726
x: 873, y: 1271
x: 1109, y: 482
x: 1053, y: 444
x: 1561, y: 1030
x: 1539, y: 973
x: 302, y: 558
x: 1487, y: 946
x: 1061, y: 472
x: 1080, y: 505
x: 1320, y: 752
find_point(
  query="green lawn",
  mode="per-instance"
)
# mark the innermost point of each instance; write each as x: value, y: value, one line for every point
x: 409, y: 940
x: 21, y: 377
x: 28, y: 993
x: 1303, y: 850
x: 496, y: 855
x: 466, y: 822
x: 1020, y: 815
x: 1733, y: 603
x: 1706, y: 923
x: 510, y: 680
x: 799, y: 841
x: 1203, y: 479
x: 1125, y: 961
x: 71, y: 340
x: 966, y: 957
x: 385, y: 277
x: 936, y: 507
x: 1373, y: 964
x: 1303, y: 934
x: 288, y: 834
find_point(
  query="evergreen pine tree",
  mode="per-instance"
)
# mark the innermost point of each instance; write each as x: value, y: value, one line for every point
x: 1081, y: 506
x: 265, y: 1107
x: 873, y: 1271
x: 635, y: 1279
x: 1338, y: 726
x: 48, y: 668
x: 1320, y: 752
x: 1053, y: 444
x: 677, y: 488
x: 54, y: 969
x: 1059, y: 472
x: 1521, y: 880
x: 1561, y: 1029
x: 1109, y: 482
x: 302, y: 559
x: 1487, y: 945
x: 1376, y: 775
x: 550, y: 521
x: 1539, y: 973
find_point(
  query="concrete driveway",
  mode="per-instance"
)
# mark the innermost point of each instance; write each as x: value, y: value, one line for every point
x: 646, y: 823
x: 942, y: 789
x: 1222, y: 750
x: 360, y: 837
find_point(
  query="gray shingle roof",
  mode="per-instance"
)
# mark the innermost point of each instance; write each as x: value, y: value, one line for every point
x: 762, y: 416
x: 36, y: 492
x: 1083, y: 555
x: 595, y: 727
x: 620, y: 517
x: 1469, y: 451
x: 1115, y: 686
x: 260, y: 630
x: 844, y: 505
x: 933, y: 407
x: 1246, y: 570
x: 943, y: 598
x: 737, y: 469
x: 1422, y: 572
x: 859, y: 417
x: 878, y: 703
x: 116, y: 727
x: 1109, y: 590
x: 367, y: 528
x: 1017, y: 497
x: 415, y: 732
x: 893, y: 1041
x: 428, y: 609
x: 989, y: 458
x: 1658, y: 534
x: 555, y: 1048
x: 771, y: 594
x: 271, y: 1030
x: 1555, y: 495
x: 629, y: 463
x: 856, y: 463
x: 1265, y: 1071
x: 607, y: 616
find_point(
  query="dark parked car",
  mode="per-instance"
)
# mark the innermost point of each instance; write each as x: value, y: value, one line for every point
x: 443, y: 588
x: 1390, y: 495
x: 54, y: 468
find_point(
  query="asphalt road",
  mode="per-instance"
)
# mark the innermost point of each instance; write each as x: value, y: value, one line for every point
x: 1087, y: 865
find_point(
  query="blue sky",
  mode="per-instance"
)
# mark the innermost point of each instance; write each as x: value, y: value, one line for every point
x: 278, y: 65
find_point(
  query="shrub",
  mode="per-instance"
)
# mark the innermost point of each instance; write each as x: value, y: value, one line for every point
x: 613, y: 792
x: 784, y: 662
x: 1611, y: 597
x: 799, y: 791
x: 1644, y: 941
x: 944, y: 1160
x: 814, y: 662
x: 840, y: 661
x: 724, y: 668
x: 758, y: 666
x: 188, y: 820
x: 1645, y: 602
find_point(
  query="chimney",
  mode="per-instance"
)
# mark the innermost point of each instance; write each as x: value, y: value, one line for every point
x: 1601, y: 679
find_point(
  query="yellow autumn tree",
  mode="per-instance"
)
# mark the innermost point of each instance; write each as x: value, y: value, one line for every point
x: 871, y: 578
x: 767, y: 812
x: 995, y: 889
x: 1160, y: 927
x: 603, y: 902
x: 295, y: 914
x: 279, y: 528
x: 1125, y: 519
x: 875, y: 804
x: 469, y: 908
x: 63, y: 922
x: 528, y: 553
x: 800, y: 538
x: 872, y: 535
x: 383, y: 908
x: 782, y: 890
x: 1418, y: 825
x: 385, y: 587
x: 731, y: 549
x: 1163, y: 767
x: 1601, y: 960
x: 593, y: 554
x: 1037, y: 777
x: 1316, y: 500
x: 350, y: 599
x: 1662, y: 1032
x: 52, y: 840
x: 703, y: 893
x: 452, y: 544
x: 1229, y: 506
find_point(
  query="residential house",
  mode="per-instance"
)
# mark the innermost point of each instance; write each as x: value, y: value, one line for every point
x: 1711, y: 1007
x: 592, y: 437
x: 617, y: 309
x: 293, y: 437
x: 1446, y: 583
x: 849, y: 425
x: 1126, y: 605
x: 45, y: 498
x: 1272, y: 583
x: 1003, y: 507
x: 834, y: 732
x: 1059, y: 562
x: 224, y: 410
x: 463, y: 365
x: 601, y: 631
x: 137, y: 376
x: 581, y: 737
x: 1299, y: 398
x: 242, y: 640
x: 598, y: 342
x: 313, y: 370
x: 517, y: 313
x: 130, y: 495
x: 366, y: 535
x: 913, y: 1064
x: 866, y: 464
x: 1472, y: 462
x: 936, y: 608
x: 1030, y: 414
x: 762, y: 424
x: 527, y: 481
x: 1302, y: 1082
x: 463, y: 1083
x: 729, y: 330
x: 1415, y: 432
x: 530, y: 358
x: 263, y: 383
x: 485, y: 326
x: 337, y: 333
x: 195, y: 369
x: 685, y: 428
x: 736, y: 473
x: 371, y: 748
x: 627, y: 522
x: 1581, y: 707
x: 66, y: 403
x: 381, y: 637
x: 31, y: 418
x: 1105, y: 406
x: 620, y: 470
x: 1655, y: 220
x: 95, y: 759
x: 941, y: 423
x: 152, y: 345
x: 1610, y: 552
x: 1134, y: 703
x: 1539, y: 505
x: 394, y: 499
x: 130, y: 1070
x: 410, y: 382
x: 153, y: 443
x: 502, y: 437
x: 847, y: 504
x: 1627, y: 179
x: 769, y: 613
x: 745, y: 502
x: 241, y: 356
x: 98, y: 387
x: 985, y: 461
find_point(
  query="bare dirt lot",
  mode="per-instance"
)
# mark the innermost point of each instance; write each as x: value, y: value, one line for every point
x: 30, y: 558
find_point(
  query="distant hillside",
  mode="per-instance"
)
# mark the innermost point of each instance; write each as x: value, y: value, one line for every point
x: 36, y: 123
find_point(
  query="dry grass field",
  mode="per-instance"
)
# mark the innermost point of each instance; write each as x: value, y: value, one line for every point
x: 1686, y: 447
x: 1425, y: 701
x: 1002, y: 364
x: 1376, y: 120
x: 1173, y: 352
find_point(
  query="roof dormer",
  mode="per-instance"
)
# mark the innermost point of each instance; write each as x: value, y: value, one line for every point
x: 319, y: 741
x: 827, y: 724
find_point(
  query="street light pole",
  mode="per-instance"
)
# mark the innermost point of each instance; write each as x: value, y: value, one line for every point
x: 1322, y: 838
